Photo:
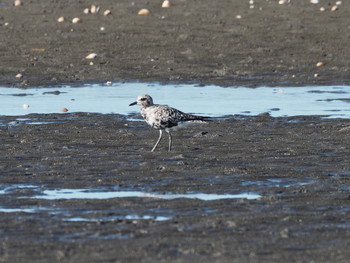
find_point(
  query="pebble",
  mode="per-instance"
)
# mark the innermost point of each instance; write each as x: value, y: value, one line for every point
x: 282, y: 2
x: 91, y: 56
x: 314, y: 1
x: 19, y: 76
x: 76, y: 20
x: 334, y: 8
x: 94, y: 9
x: 320, y: 64
x: 64, y: 110
x: 166, y: 4
x: 17, y: 3
x: 107, y: 12
x: 144, y: 12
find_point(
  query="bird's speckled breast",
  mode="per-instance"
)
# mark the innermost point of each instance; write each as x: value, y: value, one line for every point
x: 159, y: 116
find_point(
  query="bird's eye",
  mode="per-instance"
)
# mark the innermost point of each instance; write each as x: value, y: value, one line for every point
x: 143, y: 99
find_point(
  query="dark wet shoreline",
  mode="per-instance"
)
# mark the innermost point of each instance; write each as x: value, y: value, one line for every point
x: 205, y: 43
x: 299, y: 165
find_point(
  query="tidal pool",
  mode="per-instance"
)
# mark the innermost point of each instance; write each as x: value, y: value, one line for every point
x: 206, y: 100
x: 87, y: 194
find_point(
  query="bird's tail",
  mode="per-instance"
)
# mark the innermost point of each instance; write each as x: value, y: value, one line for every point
x: 198, y: 118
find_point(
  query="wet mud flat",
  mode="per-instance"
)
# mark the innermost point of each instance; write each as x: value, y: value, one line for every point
x: 212, y: 42
x: 295, y: 169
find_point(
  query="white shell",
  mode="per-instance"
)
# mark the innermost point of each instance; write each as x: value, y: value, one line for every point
x: 166, y: 4
x: 86, y: 11
x: 94, y: 9
x: 314, y: 1
x: 334, y: 8
x: 19, y: 76
x: 320, y: 64
x: 60, y: 19
x: 25, y: 106
x: 76, y: 20
x: 91, y: 56
x: 17, y: 3
x: 107, y: 12
x: 144, y: 12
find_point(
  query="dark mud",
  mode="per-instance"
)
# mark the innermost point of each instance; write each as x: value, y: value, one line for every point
x: 193, y: 42
x: 299, y: 165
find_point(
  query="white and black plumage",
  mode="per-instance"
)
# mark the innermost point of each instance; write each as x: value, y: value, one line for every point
x: 162, y: 117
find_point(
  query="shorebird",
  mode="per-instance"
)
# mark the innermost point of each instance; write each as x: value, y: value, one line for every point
x: 162, y: 117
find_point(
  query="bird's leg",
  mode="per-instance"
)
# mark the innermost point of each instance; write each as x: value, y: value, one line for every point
x: 160, y: 137
x: 170, y: 139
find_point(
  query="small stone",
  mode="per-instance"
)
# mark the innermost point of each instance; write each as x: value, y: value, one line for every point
x: 144, y: 12
x: 19, y: 76
x: 166, y: 4
x: 94, y: 9
x: 334, y: 8
x: 64, y: 110
x: 76, y: 20
x: 17, y: 3
x: 60, y: 19
x: 91, y: 56
x: 320, y: 64
x: 107, y: 12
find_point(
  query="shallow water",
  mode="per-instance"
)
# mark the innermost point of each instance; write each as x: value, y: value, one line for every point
x: 85, y: 194
x: 206, y: 100
x: 23, y: 192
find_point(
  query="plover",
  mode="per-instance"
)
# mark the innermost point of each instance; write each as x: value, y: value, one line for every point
x: 163, y: 117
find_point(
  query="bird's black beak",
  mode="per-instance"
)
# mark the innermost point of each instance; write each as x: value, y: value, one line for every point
x: 132, y: 104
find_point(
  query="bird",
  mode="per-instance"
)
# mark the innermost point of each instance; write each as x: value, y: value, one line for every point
x: 162, y: 117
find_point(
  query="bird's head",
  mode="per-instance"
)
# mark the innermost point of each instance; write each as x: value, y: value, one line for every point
x: 143, y: 100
